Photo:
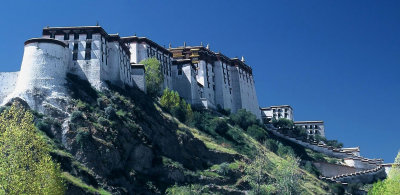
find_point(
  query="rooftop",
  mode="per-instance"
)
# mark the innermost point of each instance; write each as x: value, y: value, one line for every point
x: 307, y: 122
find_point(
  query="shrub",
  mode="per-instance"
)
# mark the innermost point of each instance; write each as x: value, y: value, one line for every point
x: 337, y: 188
x: 223, y: 168
x: 271, y: 145
x: 234, y: 135
x: 225, y: 112
x: 45, y: 126
x: 198, y: 121
x: 102, y: 121
x: 244, y: 118
x: 309, y: 167
x: 319, y: 157
x: 76, y: 115
x: 334, y: 143
x: 82, y: 136
x: 257, y: 132
x: 178, y: 107
x: 219, y: 126
x: 2, y: 108
x: 283, y: 123
x: 284, y: 150
x: 110, y: 113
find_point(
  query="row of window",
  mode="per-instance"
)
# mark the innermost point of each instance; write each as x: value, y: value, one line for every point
x: 88, y: 51
x: 165, y: 61
x: 311, y: 126
x: 280, y: 110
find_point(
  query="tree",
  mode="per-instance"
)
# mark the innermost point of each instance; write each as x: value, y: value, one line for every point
x: 390, y: 185
x: 244, y: 118
x: 26, y: 166
x: 175, y: 105
x: 283, y: 123
x: 257, y: 132
x: 257, y: 173
x: 287, y: 176
x: 154, y: 77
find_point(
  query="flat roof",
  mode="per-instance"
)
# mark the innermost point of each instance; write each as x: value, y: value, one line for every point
x: 84, y: 29
x: 146, y: 40
x: 281, y: 106
x: 302, y: 122
x: 216, y: 55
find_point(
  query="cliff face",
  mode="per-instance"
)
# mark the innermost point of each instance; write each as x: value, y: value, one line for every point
x: 121, y: 142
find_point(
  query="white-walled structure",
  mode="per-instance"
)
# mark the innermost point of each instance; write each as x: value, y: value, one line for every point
x: 221, y: 82
x: 41, y: 80
x: 277, y: 112
x: 312, y: 127
x: 201, y: 76
x: 142, y: 48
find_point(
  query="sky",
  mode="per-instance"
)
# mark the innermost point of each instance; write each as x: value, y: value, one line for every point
x: 336, y: 61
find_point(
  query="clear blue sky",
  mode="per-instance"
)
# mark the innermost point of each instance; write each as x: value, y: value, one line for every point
x: 337, y: 61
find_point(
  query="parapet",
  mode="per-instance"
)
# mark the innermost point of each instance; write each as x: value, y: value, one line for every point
x: 45, y: 40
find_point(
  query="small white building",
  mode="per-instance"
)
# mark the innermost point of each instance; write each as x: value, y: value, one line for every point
x: 277, y: 112
x: 312, y: 127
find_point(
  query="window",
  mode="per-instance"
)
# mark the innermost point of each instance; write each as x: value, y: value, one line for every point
x: 76, y: 36
x: 89, y: 36
x: 75, y: 52
x: 88, y: 50
x: 179, y: 69
x: 66, y: 36
x: 316, y: 126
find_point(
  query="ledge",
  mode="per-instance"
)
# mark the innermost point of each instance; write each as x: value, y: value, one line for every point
x: 45, y: 40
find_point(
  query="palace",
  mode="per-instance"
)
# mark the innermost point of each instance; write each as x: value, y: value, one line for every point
x: 202, y: 77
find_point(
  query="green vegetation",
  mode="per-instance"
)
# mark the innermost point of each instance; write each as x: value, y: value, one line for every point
x: 79, y: 183
x: 213, y: 152
x: 175, y: 105
x: 26, y: 166
x: 154, y: 77
x: 287, y: 126
x: 390, y: 185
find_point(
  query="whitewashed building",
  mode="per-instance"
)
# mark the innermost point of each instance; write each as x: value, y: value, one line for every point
x: 220, y: 82
x: 277, y: 112
x: 142, y: 48
x: 312, y: 127
x: 202, y: 77
x: 97, y: 56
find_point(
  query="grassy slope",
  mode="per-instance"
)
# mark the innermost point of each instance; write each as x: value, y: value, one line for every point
x: 76, y: 174
x: 311, y: 184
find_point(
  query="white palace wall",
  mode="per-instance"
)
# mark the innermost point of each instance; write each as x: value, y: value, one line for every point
x: 8, y: 81
x: 43, y: 72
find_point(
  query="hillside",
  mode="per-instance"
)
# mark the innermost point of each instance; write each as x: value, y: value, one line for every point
x: 122, y: 142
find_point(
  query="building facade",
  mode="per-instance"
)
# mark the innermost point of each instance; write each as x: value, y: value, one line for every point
x: 312, y: 127
x: 202, y: 77
x: 277, y: 112
x: 220, y: 82
x: 142, y: 48
x: 96, y: 56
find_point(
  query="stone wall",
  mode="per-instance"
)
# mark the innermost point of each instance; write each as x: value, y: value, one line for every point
x: 330, y: 170
x: 41, y: 81
x: 8, y: 81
